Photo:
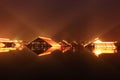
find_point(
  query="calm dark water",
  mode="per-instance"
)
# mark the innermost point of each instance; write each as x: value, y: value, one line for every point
x: 25, y: 65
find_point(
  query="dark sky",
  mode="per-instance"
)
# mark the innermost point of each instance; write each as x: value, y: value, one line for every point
x: 60, y: 19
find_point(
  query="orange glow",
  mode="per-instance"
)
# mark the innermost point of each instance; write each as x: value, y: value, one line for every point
x: 51, y: 42
x: 97, y: 52
x: 5, y: 48
x: 20, y: 48
x: 104, y: 47
x: 2, y: 45
x: 44, y: 54
x: 49, y: 51
x: 65, y: 46
x: 98, y: 41
x: 55, y: 46
x: 17, y: 45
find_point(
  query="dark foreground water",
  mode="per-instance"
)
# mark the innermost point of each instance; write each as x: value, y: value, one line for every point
x: 25, y: 65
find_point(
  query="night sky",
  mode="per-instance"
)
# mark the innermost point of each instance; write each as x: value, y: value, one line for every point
x: 60, y: 19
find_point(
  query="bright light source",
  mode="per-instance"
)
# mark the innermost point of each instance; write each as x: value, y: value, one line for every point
x: 17, y: 45
x: 7, y: 45
x: 97, y: 52
x: 104, y: 47
x: 98, y: 41
x: 2, y: 45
